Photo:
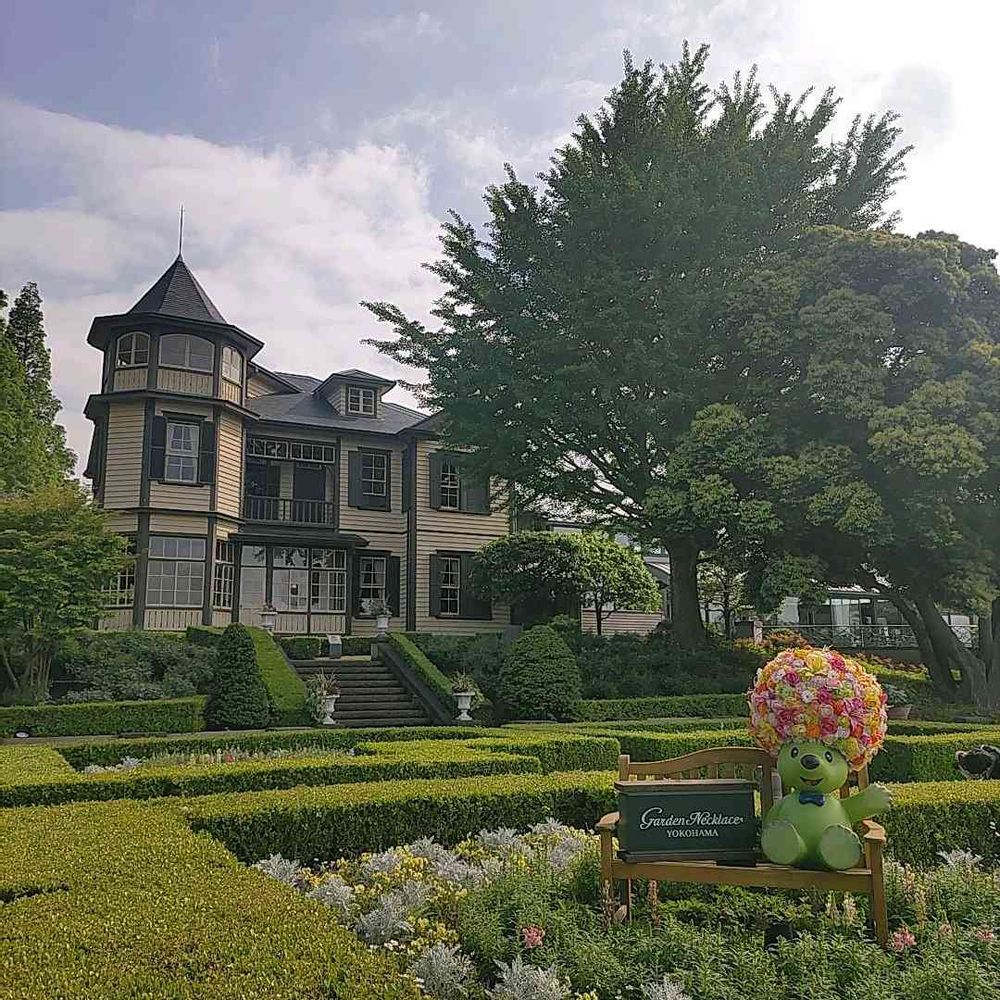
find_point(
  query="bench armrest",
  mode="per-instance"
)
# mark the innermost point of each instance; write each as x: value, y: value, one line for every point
x: 872, y: 831
x: 608, y: 824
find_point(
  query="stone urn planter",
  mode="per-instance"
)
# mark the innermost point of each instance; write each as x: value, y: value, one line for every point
x: 329, y: 702
x: 464, y: 699
x: 898, y: 711
x: 382, y: 624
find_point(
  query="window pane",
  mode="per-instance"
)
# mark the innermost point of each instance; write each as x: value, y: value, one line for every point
x: 373, y: 474
x: 252, y: 582
x: 232, y: 364
x: 450, y: 583
x: 328, y: 590
x: 182, y: 452
x: 289, y: 589
x: 175, y: 583
x: 371, y: 579
x: 360, y: 400
x: 450, y: 486
x: 181, y: 350
x: 253, y: 555
x: 289, y: 557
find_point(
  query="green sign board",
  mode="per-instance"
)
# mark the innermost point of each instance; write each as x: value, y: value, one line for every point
x: 711, y: 819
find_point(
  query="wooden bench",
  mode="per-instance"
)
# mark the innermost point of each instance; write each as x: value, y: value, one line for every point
x: 755, y: 765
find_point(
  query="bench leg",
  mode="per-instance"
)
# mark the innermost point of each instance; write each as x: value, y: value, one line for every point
x: 880, y: 915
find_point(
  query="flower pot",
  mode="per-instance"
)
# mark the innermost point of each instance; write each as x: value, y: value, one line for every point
x: 329, y: 704
x: 381, y: 624
x: 464, y: 699
x: 898, y: 711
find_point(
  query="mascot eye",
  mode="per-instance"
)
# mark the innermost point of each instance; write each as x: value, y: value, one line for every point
x: 794, y: 753
x: 829, y: 757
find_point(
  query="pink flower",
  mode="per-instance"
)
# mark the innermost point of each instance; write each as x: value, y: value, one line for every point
x: 533, y: 935
x: 792, y: 678
x: 827, y: 725
x: 985, y: 934
x: 901, y: 940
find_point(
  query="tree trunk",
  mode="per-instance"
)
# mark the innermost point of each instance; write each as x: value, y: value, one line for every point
x: 940, y: 674
x: 974, y: 679
x: 687, y: 628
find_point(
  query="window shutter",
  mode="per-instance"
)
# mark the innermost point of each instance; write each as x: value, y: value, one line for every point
x: 356, y: 584
x: 435, y: 461
x: 158, y: 448
x: 434, y: 583
x: 206, y: 452
x: 392, y: 584
x: 475, y: 495
x: 470, y: 604
x: 354, y: 478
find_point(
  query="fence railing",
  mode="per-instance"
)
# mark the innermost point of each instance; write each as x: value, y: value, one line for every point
x: 288, y: 511
x: 868, y: 636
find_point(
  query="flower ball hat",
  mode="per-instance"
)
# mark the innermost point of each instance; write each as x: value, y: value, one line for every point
x: 821, y: 696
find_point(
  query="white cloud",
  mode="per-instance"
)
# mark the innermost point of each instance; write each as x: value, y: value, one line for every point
x: 401, y: 28
x: 286, y: 246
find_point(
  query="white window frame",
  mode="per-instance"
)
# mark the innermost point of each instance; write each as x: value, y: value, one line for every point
x: 451, y: 570
x: 119, y: 592
x: 223, y: 575
x: 134, y: 340
x: 182, y: 456
x: 178, y: 560
x: 232, y: 365
x: 372, y: 579
x: 188, y: 340
x: 328, y: 581
x: 451, y: 486
x: 374, y: 478
x: 361, y: 400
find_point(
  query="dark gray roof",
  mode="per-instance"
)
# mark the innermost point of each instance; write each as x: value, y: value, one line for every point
x: 307, y: 410
x: 177, y: 293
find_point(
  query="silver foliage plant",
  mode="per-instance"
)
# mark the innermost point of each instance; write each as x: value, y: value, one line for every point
x: 280, y: 868
x: 517, y: 980
x: 664, y: 989
x: 335, y: 893
x: 389, y: 921
x: 443, y: 972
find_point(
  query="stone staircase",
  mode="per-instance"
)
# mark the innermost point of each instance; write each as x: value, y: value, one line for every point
x: 370, y: 693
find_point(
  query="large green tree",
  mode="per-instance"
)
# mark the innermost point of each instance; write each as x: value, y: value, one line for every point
x: 581, y: 349
x: 888, y: 434
x: 56, y: 554
x: 33, y: 449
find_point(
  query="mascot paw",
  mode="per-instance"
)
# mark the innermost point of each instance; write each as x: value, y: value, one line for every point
x: 881, y: 798
x: 839, y: 848
x: 781, y: 843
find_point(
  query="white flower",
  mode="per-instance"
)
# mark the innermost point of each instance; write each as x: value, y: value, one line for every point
x: 958, y: 858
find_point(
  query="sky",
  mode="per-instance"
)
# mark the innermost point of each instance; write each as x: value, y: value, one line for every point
x: 317, y: 146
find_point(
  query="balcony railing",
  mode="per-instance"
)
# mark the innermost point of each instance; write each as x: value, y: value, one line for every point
x: 868, y: 636
x: 287, y: 511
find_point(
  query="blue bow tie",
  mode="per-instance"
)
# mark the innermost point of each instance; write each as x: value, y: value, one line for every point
x: 813, y: 798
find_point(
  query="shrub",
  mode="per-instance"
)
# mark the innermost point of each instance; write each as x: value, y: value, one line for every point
x: 426, y: 671
x: 97, y: 718
x: 302, y: 647
x: 135, y: 906
x: 356, y: 645
x: 926, y: 758
x: 286, y: 691
x: 132, y: 665
x: 479, y: 655
x: 203, y: 635
x: 239, y: 699
x: 539, y: 678
x: 700, y: 705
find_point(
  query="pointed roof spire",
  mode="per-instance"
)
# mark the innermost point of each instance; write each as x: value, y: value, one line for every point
x: 178, y: 293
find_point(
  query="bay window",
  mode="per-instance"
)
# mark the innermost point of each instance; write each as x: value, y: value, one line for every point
x: 175, y: 576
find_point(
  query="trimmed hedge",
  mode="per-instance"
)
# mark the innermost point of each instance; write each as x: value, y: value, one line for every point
x: 375, y: 762
x: 426, y: 670
x: 104, y: 718
x: 239, y: 699
x: 285, y: 689
x: 37, y: 775
x: 120, y: 900
x: 707, y: 706
x: 326, y: 822
x: 203, y: 635
x: 539, y: 678
x: 926, y: 758
x: 112, y: 751
x: 302, y: 647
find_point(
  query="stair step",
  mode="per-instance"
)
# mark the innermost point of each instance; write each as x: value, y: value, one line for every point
x: 378, y: 698
x: 395, y: 712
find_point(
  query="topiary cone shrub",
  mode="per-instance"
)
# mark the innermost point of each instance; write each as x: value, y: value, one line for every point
x: 539, y: 678
x: 239, y: 699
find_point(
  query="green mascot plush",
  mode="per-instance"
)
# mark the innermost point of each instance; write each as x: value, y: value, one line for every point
x: 823, y: 715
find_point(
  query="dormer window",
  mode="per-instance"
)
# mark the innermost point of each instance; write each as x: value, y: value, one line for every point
x: 361, y: 400
x: 232, y: 365
x: 132, y: 350
x: 184, y: 350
